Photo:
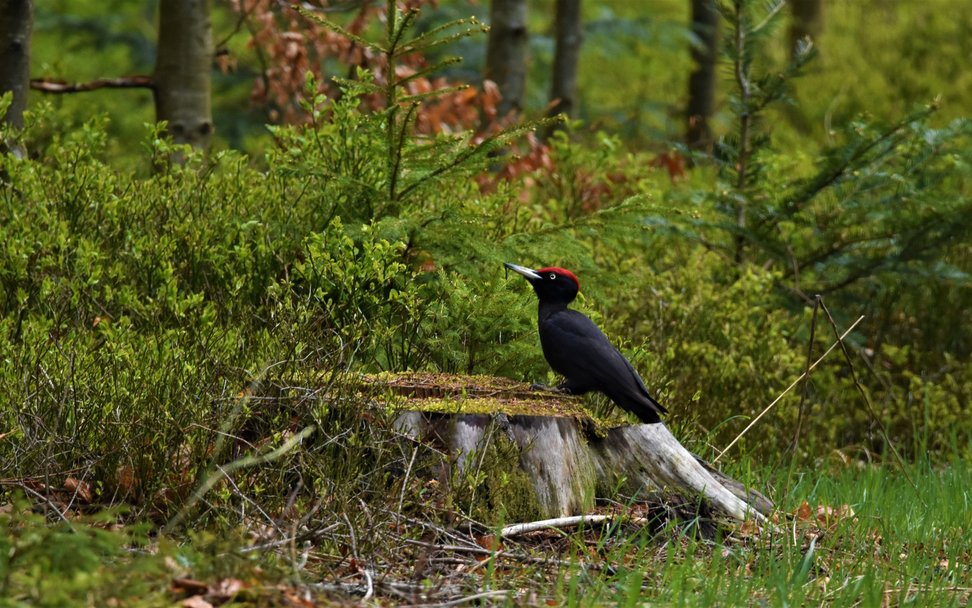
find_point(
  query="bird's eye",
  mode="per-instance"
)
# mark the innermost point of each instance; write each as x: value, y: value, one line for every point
x: 553, y: 275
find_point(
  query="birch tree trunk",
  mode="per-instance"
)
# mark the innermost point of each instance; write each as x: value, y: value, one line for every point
x: 506, y: 52
x: 183, y: 71
x: 15, y: 25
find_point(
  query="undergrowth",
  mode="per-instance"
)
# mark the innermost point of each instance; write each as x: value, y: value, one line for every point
x: 186, y: 340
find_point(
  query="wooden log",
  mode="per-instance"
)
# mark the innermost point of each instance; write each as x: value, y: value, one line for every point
x: 569, y: 458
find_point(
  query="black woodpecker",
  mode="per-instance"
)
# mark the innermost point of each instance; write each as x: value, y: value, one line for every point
x: 579, y: 351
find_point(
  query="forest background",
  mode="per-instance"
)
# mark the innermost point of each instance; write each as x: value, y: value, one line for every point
x: 168, y: 295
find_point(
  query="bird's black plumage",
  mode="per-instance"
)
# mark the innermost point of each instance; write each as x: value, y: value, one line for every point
x: 578, y: 350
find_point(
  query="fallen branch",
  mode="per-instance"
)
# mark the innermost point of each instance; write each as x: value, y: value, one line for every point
x: 562, y: 522
x: 498, y: 594
x: 46, y: 85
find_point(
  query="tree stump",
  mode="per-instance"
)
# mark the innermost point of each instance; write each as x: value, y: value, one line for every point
x: 568, y: 457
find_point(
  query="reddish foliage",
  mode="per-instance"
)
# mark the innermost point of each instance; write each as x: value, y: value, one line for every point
x: 673, y: 162
x: 290, y: 45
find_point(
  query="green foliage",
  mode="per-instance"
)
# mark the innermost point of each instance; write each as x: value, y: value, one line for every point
x: 488, y: 485
x: 145, y: 319
x: 717, y: 353
x: 81, y: 563
x: 880, y: 60
x: 188, y: 339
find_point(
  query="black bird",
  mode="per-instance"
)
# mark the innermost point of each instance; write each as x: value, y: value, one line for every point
x: 578, y: 350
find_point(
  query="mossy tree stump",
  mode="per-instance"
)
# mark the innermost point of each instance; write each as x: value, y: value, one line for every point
x: 568, y: 457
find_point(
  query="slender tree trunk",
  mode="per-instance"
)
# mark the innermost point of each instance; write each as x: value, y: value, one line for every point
x: 807, y: 21
x: 701, y: 98
x: 15, y: 26
x: 506, y: 52
x: 183, y: 71
x: 569, y: 36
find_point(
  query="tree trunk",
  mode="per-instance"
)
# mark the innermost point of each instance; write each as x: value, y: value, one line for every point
x: 807, y: 21
x: 506, y: 52
x: 563, y: 90
x: 15, y: 56
x: 701, y: 98
x: 566, y: 458
x: 183, y: 71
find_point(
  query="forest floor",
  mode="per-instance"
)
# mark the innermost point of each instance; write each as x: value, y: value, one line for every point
x: 847, y: 536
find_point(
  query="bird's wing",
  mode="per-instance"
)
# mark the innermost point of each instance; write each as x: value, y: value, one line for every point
x: 582, y: 353
x: 641, y: 384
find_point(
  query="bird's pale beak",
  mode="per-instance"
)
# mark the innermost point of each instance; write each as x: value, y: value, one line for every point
x: 527, y: 272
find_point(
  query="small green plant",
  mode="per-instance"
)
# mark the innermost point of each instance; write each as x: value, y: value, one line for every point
x: 86, y: 562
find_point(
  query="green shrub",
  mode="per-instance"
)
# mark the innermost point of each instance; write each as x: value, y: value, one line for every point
x: 81, y: 563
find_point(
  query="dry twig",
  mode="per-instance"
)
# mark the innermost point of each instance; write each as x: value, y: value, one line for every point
x: 563, y: 522
x: 867, y: 404
x: 795, y: 382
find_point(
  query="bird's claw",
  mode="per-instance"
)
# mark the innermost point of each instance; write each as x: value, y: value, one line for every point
x: 537, y: 386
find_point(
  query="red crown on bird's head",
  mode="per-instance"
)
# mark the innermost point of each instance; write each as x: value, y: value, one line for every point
x: 562, y: 272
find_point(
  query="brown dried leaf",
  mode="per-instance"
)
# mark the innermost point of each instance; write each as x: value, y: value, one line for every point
x: 195, y: 601
x: 829, y: 517
x: 490, y: 542
x: 81, y: 489
x: 228, y: 587
x: 748, y: 529
x: 125, y: 478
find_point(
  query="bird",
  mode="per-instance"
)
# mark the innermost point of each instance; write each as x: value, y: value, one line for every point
x: 576, y: 348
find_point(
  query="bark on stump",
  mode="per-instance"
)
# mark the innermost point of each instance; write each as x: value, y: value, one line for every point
x: 569, y: 458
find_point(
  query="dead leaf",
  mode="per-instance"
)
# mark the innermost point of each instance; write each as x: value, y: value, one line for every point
x: 195, y: 601
x: 748, y: 528
x: 125, y: 476
x: 490, y: 542
x: 829, y: 517
x: 228, y: 587
x: 81, y: 489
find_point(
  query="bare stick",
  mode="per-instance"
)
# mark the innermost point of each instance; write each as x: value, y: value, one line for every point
x: 560, y: 522
x: 795, y: 382
x: 806, y: 374
x: 128, y: 82
x: 493, y: 595
x: 408, y: 471
x: 870, y: 410
x: 50, y: 505
x: 492, y: 553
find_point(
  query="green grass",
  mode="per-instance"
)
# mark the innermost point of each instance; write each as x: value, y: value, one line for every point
x: 894, y: 549
x: 153, y: 326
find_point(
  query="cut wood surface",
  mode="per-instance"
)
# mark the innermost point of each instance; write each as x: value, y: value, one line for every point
x: 569, y: 457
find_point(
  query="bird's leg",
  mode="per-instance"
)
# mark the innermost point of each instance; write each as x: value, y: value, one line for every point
x: 564, y: 388
x: 539, y: 386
